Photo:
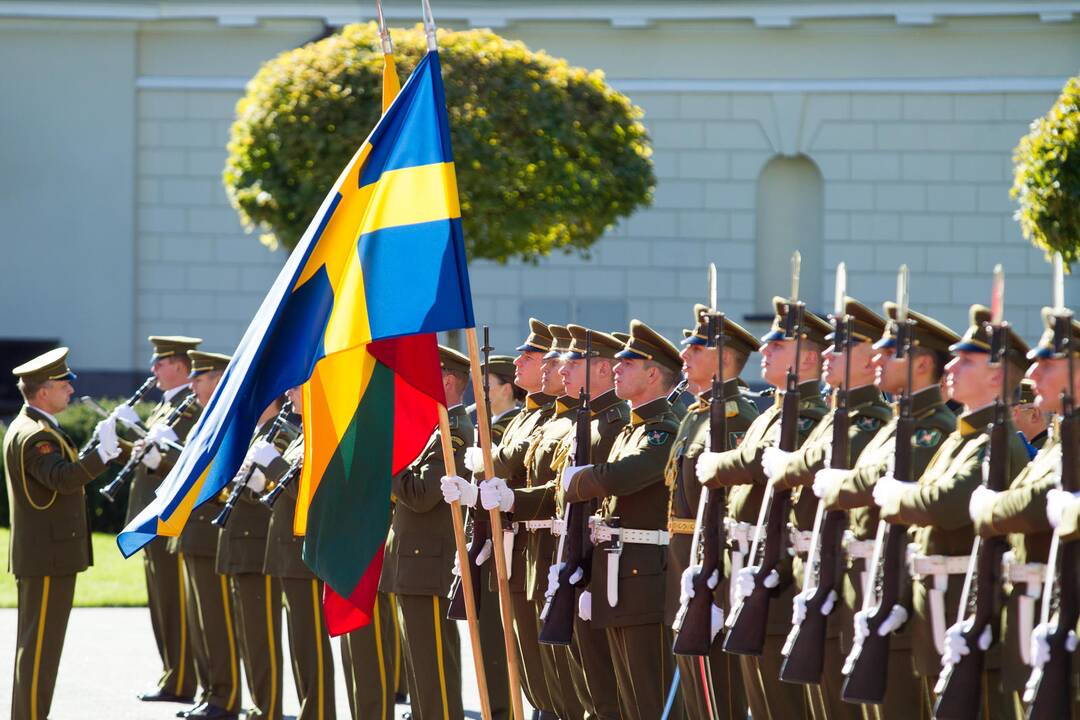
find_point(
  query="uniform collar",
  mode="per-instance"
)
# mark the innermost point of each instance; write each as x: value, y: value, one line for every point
x: 604, y: 401
x: 649, y: 410
x: 168, y: 395
x: 864, y: 395
x: 38, y: 411
x: 458, y: 410
x: 975, y: 422
x: 923, y: 401
x: 537, y: 400
x: 504, y: 413
x: 807, y: 389
x: 564, y: 404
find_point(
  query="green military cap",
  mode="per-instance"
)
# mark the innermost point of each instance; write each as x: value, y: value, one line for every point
x: 621, y: 336
x: 603, y: 345
x: 866, y: 325
x: 814, y: 328
x: 928, y: 333
x: 977, y: 338
x: 736, y: 336
x: 560, y: 341
x: 1025, y: 394
x: 539, y: 339
x: 51, y: 365
x: 1045, y: 348
x: 204, y: 362
x: 171, y: 345
x: 452, y: 360
x: 501, y: 366
x: 644, y: 343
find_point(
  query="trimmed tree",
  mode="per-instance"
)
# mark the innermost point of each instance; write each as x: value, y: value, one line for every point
x: 548, y: 156
x: 1047, y: 177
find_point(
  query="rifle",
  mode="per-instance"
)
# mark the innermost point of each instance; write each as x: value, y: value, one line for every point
x: 481, y: 528
x: 110, y: 491
x: 136, y: 396
x: 866, y: 668
x: 280, y: 424
x: 749, y: 619
x: 960, y: 685
x: 804, y: 649
x: 693, y: 623
x: 575, y: 546
x: 1049, y: 688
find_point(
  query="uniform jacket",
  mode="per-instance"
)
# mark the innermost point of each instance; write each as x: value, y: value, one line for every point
x: 199, y: 538
x: 498, y: 432
x: 284, y: 550
x: 420, y: 548
x: 631, y: 485
x: 145, y: 481
x: 50, y: 532
x: 242, y: 542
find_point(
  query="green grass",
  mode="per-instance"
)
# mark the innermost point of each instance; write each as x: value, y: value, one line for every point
x: 112, y: 581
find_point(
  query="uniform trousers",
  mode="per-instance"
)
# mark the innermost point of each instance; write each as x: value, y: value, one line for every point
x: 994, y: 703
x: 491, y: 639
x: 558, y: 675
x: 716, y: 684
x: 309, y: 643
x: 257, y: 602
x: 532, y: 669
x: 767, y: 695
x: 901, y: 686
x: 371, y: 656
x: 433, y: 657
x: 212, y: 633
x: 592, y: 653
x: 644, y: 666
x: 168, y: 618
x: 44, y: 608
x: 825, y: 701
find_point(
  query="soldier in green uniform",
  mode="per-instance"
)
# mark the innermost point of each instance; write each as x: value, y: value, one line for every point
x: 868, y: 413
x: 419, y: 557
x: 309, y: 643
x: 1021, y: 514
x: 211, y: 627
x: 241, y: 551
x: 164, y: 583
x: 740, y: 470
x: 852, y: 490
x: 626, y: 592
x: 724, y: 682
x: 50, y: 536
x: 508, y: 457
x: 533, y: 507
x: 589, y: 653
x: 935, y: 506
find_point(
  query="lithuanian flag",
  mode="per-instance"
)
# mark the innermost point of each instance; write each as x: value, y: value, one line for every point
x: 380, y: 269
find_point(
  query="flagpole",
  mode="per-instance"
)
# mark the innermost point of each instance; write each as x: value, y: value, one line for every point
x: 463, y: 566
x: 484, y: 426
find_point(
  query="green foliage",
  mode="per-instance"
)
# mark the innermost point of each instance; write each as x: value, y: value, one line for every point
x: 547, y: 155
x: 78, y: 422
x: 1047, y: 177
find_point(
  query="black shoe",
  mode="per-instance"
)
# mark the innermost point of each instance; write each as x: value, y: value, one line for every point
x: 212, y: 712
x: 159, y: 695
x: 193, y: 708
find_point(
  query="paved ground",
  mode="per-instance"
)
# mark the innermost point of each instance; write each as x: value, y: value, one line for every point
x: 110, y: 656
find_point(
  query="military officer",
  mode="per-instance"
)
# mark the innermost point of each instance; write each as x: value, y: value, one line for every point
x: 1021, y: 514
x: 241, y: 551
x: 935, y: 505
x: 740, y: 470
x: 626, y: 597
x: 50, y: 537
x: 868, y: 413
x: 309, y: 642
x: 164, y: 586
x: 722, y: 687
x: 419, y: 557
x: 211, y: 630
x: 533, y: 508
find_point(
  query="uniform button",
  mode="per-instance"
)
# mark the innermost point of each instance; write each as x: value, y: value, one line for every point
x: 416, y: 552
x: 634, y: 571
x: 246, y: 533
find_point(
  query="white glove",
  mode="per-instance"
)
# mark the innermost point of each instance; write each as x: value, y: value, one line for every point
x: 717, y: 620
x: 126, y: 414
x: 108, y: 446
x: 569, y: 473
x: 980, y: 499
x: 484, y: 554
x: 887, y: 490
x: 744, y: 583
x: 474, y: 458
x: 553, y: 578
x: 458, y: 489
x: 897, y: 617
x: 161, y: 434
x: 798, y: 607
x: 1040, y: 644
x: 686, y: 582
x: 826, y: 480
x: 584, y: 605
x: 773, y: 461
x: 708, y: 463
x: 494, y: 493
x: 257, y: 481
x: 263, y: 453
x: 152, y: 458
x: 1057, y: 502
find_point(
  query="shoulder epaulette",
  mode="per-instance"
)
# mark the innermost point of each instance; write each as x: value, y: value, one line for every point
x: 878, y: 411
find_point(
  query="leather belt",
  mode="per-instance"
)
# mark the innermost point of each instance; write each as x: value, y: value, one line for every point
x: 534, y: 525
x: 938, y: 568
x: 925, y: 565
x: 629, y: 536
x: 1028, y: 573
x: 1032, y: 576
x: 681, y: 526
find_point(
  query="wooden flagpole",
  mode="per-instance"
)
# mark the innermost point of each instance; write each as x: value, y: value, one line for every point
x: 484, y: 427
x: 463, y: 565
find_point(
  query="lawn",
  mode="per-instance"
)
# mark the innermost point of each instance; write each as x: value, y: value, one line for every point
x: 112, y: 581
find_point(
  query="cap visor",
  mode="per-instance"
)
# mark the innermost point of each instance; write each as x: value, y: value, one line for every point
x: 885, y: 343
x: 629, y: 355
x: 772, y: 335
x: 968, y: 347
x: 693, y: 340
